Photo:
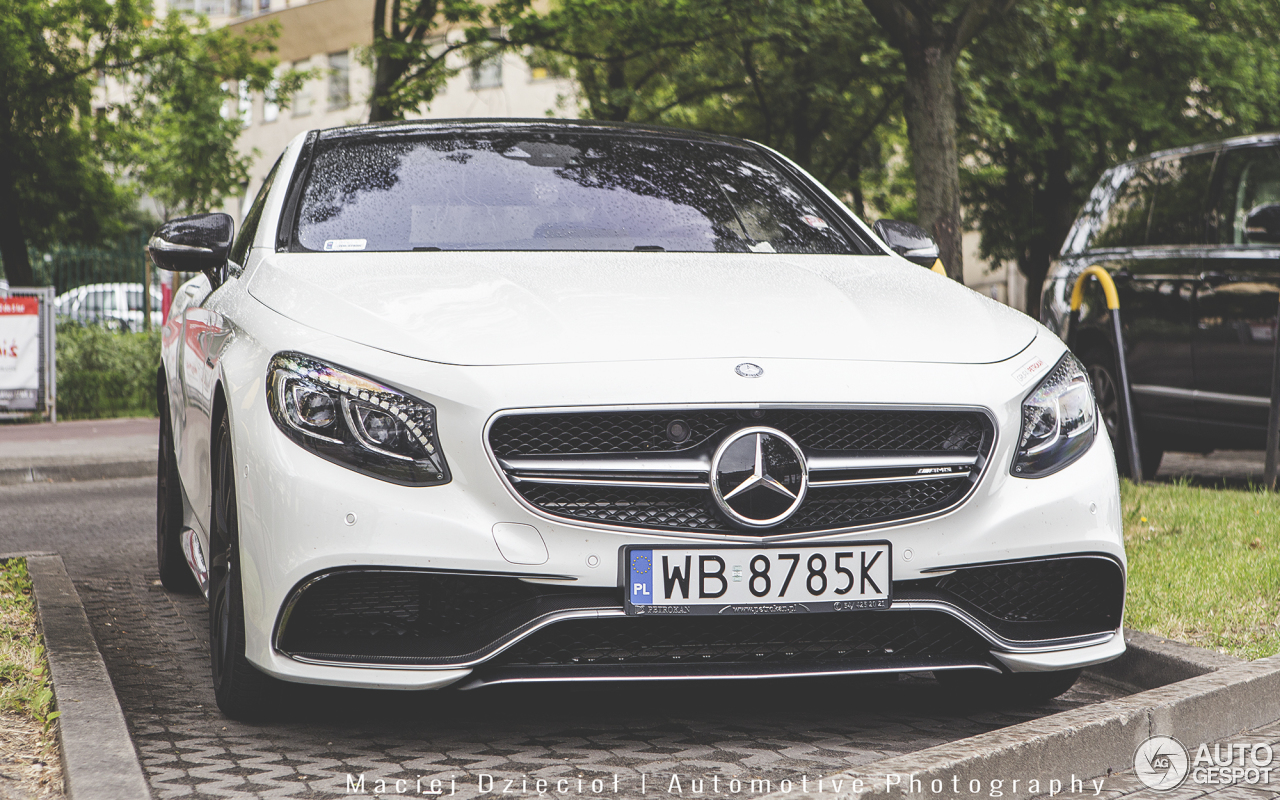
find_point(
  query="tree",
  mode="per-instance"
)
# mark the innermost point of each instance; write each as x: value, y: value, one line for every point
x: 810, y: 78
x: 176, y: 138
x: 55, y: 181
x: 931, y: 35
x: 410, y: 53
x: 53, y: 184
x: 632, y: 61
x: 1081, y: 85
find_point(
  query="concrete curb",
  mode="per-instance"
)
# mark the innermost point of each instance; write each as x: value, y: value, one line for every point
x: 98, y: 758
x: 1221, y: 696
x: 59, y: 473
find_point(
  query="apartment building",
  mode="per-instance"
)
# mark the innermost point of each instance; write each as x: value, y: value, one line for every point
x: 328, y: 37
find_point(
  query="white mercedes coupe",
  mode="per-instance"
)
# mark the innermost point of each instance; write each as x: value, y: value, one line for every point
x: 474, y: 402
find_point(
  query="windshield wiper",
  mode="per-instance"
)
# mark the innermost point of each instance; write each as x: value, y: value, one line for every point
x: 649, y: 248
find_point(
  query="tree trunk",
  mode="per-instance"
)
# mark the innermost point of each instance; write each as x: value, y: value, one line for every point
x: 384, y: 73
x: 929, y: 105
x: 1053, y: 207
x: 13, y: 240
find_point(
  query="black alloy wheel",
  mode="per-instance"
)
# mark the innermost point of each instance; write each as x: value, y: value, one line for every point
x: 1101, y: 368
x: 241, y: 690
x: 175, y: 575
x: 1014, y: 689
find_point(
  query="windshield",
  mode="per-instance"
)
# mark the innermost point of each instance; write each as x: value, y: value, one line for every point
x: 539, y: 190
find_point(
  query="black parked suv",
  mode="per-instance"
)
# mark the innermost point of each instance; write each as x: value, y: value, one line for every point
x: 1192, y: 239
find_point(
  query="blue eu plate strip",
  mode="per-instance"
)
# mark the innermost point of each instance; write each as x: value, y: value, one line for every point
x: 640, y: 577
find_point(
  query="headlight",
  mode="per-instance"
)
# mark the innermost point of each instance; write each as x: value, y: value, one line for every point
x: 1059, y: 421
x: 355, y: 421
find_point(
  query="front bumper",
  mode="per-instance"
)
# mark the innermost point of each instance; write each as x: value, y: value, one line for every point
x: 302, y: 517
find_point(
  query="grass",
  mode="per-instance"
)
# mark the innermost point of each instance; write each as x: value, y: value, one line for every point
x: 24, y: 676
x: 1204, y: 566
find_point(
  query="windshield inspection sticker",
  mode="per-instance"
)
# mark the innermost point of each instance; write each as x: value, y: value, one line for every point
x: 1029, y: 370
x: 815, y: 222
x: 338, y: 245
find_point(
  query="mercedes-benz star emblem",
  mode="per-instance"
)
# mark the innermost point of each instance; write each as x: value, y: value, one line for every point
x: 748, y: 370
x: 759, y: 477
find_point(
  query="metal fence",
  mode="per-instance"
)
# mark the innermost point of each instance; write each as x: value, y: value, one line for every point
x: 102, y: 285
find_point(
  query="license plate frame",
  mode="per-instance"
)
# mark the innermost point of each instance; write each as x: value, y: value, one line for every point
x: 798, y: 597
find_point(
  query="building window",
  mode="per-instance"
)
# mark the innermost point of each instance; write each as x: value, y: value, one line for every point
x: 339, y: 81
x: 244, y: 103
x: 302, y: 100
x: 486, y: 73
x: 244, y: 8
x: 270, y: 105
x: 264, y: 5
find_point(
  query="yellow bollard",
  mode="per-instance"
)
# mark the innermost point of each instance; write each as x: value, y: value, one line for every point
x: 1126, y: 402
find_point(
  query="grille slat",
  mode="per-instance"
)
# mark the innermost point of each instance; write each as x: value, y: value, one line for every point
x: 840, y: 432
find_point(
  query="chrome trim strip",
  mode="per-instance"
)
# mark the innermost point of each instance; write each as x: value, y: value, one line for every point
x: 898, y: 479
x: 1196, y: 394
x: 194, y: 555
x: 642, y: 483
x: 733, y: 536
x: 992, y: 638
x: 591, y: 462
x: 523, y: 633
x: 479, y: 682
x: 820, y: 461
x: 166, y: 246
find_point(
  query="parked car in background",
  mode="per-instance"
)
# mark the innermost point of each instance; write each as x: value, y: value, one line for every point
x: 1192, y: 238
x: 118, y: 306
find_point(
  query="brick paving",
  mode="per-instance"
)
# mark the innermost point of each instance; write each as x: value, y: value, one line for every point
x: 154, y: 644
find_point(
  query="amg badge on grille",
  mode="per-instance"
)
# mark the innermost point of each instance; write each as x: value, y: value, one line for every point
x: 759, y: 477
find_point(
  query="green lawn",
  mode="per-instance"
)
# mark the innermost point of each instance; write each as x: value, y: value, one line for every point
x: 1204, y: 566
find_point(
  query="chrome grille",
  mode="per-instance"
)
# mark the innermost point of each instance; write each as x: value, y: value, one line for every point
x: 622, y: 468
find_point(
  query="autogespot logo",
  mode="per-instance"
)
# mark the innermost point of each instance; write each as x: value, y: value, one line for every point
x: 1161, y: 763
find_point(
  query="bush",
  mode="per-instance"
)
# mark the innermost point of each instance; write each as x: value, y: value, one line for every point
x: 104, y: 374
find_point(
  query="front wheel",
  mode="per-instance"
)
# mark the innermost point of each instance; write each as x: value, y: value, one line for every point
x: 241, y: 690
x: 1100, y: 364
x: 1016, y: 689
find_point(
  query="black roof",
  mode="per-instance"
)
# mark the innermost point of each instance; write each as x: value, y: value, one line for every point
x: 509, y: 124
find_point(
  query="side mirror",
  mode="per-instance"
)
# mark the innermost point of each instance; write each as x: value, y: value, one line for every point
x: 1262, y: 226
x: 909, y: 241
x: 198, y: 243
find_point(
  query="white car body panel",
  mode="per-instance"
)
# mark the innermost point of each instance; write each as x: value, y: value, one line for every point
x: 477, y: 334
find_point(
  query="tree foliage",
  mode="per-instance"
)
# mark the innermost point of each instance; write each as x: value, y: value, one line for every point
x: 1080, y: 85
x: 53, y: 185
x: 56, y: 183
x: 176, y: 137
x: 412, y: 53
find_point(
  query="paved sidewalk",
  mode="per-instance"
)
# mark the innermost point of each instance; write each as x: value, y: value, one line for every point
x: 1204, y: 777
x: 81, y: 450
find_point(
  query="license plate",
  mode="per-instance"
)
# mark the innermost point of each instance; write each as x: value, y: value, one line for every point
x: 757, y: 580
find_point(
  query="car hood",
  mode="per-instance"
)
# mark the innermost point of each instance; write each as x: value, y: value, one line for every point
x: 483, y: 308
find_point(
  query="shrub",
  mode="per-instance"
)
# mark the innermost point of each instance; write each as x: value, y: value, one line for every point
x: 104, y: 374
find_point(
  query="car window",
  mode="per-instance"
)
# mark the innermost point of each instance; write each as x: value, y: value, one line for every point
x: 1124, y: 223
x: 249, y: 229
x: 1249, y: 187
x: 1178, y: 215
x: 93, y: 302
x: 534, y: 190
x: 134, y: 297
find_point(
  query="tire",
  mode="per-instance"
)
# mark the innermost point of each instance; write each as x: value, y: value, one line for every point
x: 1100, y: 364
x: 175, y: 575
x: 1016, y: 689
x: 242, y: 692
